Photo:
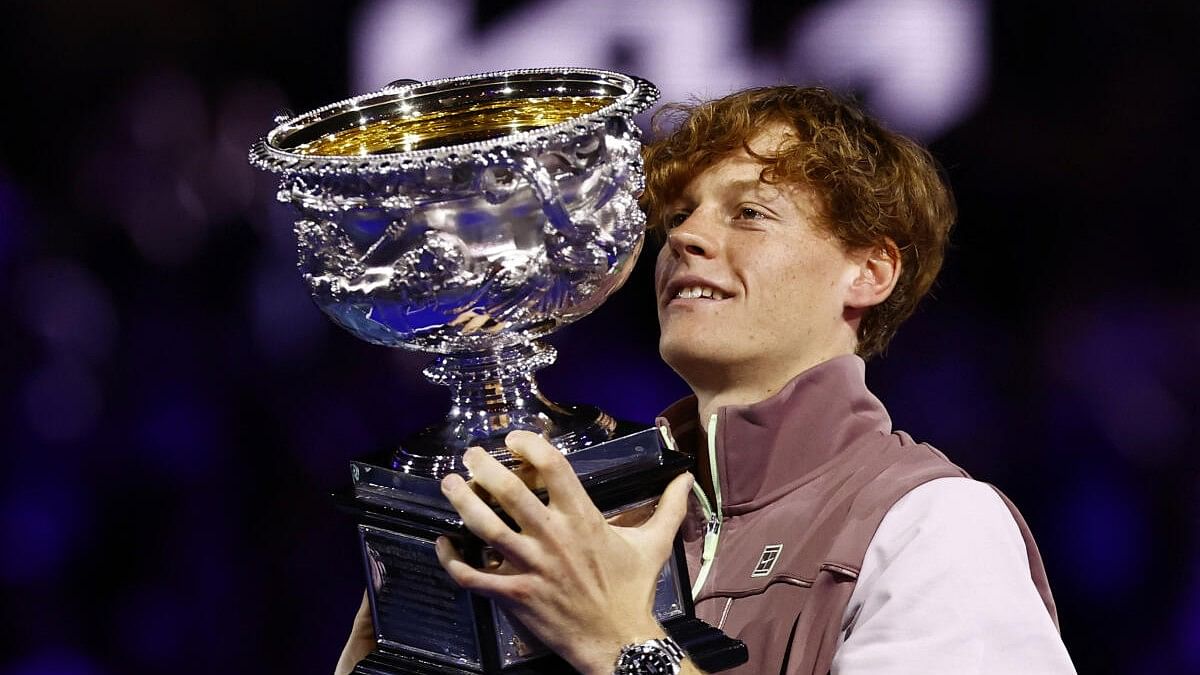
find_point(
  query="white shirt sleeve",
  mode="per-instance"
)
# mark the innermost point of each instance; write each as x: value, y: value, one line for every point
x: 945, y: 588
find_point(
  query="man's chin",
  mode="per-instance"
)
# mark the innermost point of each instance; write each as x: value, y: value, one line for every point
x: 690, y: 356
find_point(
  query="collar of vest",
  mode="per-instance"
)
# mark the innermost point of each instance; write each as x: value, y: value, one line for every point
x: 767, y: 449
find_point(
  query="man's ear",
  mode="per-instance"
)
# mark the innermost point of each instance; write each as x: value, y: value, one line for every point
x: 878, y: 271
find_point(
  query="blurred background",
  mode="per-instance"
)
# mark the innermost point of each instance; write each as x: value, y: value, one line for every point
x: 175, y: 411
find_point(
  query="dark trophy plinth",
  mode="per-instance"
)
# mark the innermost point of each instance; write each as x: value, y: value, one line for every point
x: 468, y: 218
x: 427, y: 624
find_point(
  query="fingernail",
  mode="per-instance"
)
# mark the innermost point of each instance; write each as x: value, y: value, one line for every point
x: 469, y: 458
x: 450, y: 482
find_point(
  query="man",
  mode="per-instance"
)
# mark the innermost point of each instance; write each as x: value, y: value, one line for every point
x: 799, y: 235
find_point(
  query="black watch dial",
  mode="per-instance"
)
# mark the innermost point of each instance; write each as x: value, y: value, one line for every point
x: 647, y: 659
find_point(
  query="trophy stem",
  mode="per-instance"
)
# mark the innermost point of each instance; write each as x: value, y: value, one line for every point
x: 491, y: 394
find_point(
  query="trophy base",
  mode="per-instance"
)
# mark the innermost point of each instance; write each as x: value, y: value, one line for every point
x: 425, y: 623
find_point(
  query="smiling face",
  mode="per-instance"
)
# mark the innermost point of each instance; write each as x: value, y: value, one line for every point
x: 749, y: 287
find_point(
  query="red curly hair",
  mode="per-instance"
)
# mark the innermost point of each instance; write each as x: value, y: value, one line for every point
x: 874, y: 188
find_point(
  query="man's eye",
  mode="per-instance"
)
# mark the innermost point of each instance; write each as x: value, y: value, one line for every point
x: 748, y: 213
x: 676, y: 219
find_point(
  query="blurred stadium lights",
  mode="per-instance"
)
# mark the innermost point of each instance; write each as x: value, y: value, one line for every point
x: 41, y: 527
x: 922, y: 65
x: 68, y: 308
x: 177, y: 171
x: 62, y: 401
x: 702, y: 49
x: 56, y: 662
x: 1103, y: 533
x: 71, y: 312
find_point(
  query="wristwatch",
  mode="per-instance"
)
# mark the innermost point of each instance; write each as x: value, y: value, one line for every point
x: 652, y: 657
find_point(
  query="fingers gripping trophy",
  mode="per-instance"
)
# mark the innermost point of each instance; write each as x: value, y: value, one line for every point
x: 468, y: 217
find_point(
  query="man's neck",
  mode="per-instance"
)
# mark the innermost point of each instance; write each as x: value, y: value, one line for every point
x: 746, y: 386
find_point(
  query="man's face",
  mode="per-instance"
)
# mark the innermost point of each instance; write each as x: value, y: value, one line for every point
x: 747, y: 284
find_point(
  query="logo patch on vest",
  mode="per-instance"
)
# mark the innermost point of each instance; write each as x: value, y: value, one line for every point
x: 766, y: 562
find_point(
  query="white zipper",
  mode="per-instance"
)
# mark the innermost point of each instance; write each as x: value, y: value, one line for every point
x: 713, y: 530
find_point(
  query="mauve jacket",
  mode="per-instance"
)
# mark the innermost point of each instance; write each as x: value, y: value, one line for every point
x: 803, y: 480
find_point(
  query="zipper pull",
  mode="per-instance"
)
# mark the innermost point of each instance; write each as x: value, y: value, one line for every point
x: 710, y: 539
x: 707, y: 553
x: 714, y: 525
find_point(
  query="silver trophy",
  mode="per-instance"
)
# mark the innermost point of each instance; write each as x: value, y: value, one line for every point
x: 468, y: 217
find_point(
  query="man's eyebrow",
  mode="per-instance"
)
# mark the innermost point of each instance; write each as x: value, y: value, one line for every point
x: 744, y: 184
x: 740, y: 186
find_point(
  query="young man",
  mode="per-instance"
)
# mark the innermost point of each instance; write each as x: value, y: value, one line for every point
x: 799, y: 235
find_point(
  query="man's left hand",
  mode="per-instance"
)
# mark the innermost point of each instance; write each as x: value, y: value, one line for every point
x: 583, y: 586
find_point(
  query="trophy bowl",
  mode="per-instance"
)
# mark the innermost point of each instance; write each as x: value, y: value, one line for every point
x: 468, y: 217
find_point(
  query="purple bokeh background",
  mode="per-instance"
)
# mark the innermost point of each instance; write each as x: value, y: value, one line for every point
x: 176, y: 411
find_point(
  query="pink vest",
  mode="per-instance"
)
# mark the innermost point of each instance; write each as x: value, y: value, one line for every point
x: 805, y: 478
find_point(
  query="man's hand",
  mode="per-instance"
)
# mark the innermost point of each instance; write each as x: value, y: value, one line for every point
x: 583, y: 586
x: 361, y: 642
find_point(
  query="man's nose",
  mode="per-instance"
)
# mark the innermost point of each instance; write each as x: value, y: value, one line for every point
x: 691, y: 238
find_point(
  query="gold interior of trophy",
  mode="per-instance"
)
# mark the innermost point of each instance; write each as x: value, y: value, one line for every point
x: 481, y: 120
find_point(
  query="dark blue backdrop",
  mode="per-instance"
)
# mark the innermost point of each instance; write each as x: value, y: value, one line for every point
x: 175, y: 410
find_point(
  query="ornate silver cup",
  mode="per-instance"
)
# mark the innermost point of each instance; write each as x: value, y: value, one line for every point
x: 468, y: 217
